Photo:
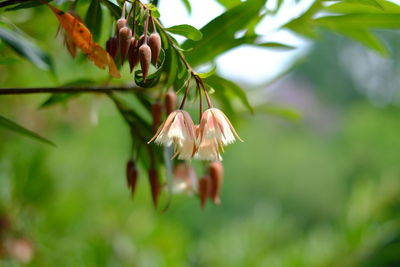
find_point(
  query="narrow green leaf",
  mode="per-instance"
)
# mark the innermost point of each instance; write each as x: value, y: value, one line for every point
x: 276, y: 45
x: 26, y: 4
x: 229, y: 3
x: 372, y: 3
x: 187, y: 31
x: 154, y: 10
x: 360, y: 21
x: 8, y: 61
x: 366, y: 38
x: 93, y: 18
x: 304, y: 24
x: 114, y: 9
x: 26, y: 49
x: 284, y: 112
x: 58, y: 98
x: 219, y: 34
x: 186, y: 3
x: 350, y: 7
x: 172, y: 67
x: 10, y: 125
x: 208, y: 73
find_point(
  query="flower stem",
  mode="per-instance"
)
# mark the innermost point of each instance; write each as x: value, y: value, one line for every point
x: 186, y: 94
x: 146, y: 26
x: 200, y: 81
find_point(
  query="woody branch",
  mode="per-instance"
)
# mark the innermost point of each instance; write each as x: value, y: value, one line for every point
x: 63, y: 90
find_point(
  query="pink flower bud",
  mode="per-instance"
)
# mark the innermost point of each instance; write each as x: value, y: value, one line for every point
x: 141, y: 40
x: 216, y: 175
x: 156, y: 111
x: 155, y: 45
x: 154, y: 185
x: 170, y: 101
x: 112, y: 46
x: 125, y: 35
x: 204, y: 190
x: 131, y: 176
x: 133, y: 53
x: 121, y: 23
x: 145, y: 57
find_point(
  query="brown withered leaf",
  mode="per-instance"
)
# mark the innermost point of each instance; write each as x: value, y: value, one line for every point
x: 82, y: 38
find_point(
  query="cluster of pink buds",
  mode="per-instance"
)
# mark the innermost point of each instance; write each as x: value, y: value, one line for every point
x: 207, y: 187
x: 144, y: 49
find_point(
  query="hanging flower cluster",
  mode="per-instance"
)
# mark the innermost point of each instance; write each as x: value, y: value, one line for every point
x: 204, y: 141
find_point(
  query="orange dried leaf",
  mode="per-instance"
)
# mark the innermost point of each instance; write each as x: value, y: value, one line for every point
x: 82, y: 38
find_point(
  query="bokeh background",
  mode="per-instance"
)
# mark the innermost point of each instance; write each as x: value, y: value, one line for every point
x: 316, y: 182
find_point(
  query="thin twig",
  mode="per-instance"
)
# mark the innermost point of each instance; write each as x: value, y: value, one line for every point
x: 62, y: 90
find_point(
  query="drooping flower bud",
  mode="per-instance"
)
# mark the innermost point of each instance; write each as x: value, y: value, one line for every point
x: 145, y: 57
x: 112, y: 46
x: 170, y: 101
x: 141, y: 40
x: 204, y: 190
x: 121, y: 23
x: 155, y: 45
x: 154, y: 185
x: 133, y: 53
x: 21, y: 249
x: 185, y: 179
x: 125, y: 35
x: 216, y: 175
x: 156, y: 111
x: 131, y: 176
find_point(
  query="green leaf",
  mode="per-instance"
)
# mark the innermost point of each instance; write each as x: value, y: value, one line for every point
x: 26, y: 4
x: 304, y: 24
x: 26, y: 49
x: 57, y: 99
x: 284, y: 112
x: 8, y: 61
x: 219, y: 83
x: 208, y: 73
x: 187, y: 31
x: 63, y: 98
x: 188, y: 6
x: 276, y: 46
x: 219, y: 34
x: 366, y: 38
x: 114, y: 9
x: 10, y: 125
x: 229, y: 3
x: 372, y: 3
x: 172, y: 67
x: 360, y: 21
x: 94, y: 18
x: 154, y: 10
